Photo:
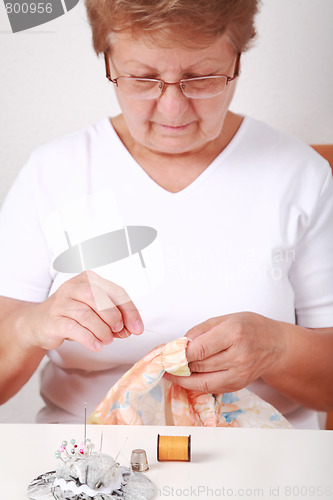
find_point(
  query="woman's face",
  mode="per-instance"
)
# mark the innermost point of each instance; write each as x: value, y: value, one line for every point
x: 173, y: 123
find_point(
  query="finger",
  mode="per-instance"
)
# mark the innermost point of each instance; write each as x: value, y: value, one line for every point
x: 220, y: 361
x: 208, y: 344
x: 213, y: 382
x: 203, y: 327
x: 93, y: 295
x: 132, y: 319
x: 130, y: 316
x: 123, y: 334
x: 76, y: 332
x: 87, y: 317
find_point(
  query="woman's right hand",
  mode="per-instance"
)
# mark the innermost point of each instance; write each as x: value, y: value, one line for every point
x: 87, y: 309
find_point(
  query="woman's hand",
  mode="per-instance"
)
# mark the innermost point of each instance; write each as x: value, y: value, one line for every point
x: 229, y: 352
x: 87, y: 309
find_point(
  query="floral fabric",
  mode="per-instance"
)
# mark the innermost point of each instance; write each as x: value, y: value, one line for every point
x: 143, y: 397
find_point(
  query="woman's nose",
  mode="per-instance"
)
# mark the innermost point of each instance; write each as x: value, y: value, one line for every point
x: 172, y: 102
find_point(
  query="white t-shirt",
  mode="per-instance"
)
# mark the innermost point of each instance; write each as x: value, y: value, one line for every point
x: 254, y: 232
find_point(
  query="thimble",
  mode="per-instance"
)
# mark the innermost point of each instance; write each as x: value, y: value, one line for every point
x: 139, y: 462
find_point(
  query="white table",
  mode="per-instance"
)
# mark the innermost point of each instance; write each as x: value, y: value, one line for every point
x: 226, y: 463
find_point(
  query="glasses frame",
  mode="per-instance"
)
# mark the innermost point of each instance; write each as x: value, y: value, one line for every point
x: 164, y: 84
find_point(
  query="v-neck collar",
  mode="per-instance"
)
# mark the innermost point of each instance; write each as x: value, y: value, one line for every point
x: 130, y: 161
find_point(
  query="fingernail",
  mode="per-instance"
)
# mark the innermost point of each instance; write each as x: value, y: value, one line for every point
x: 119, y: 326
x: 125, y: 335
x: 98, y: 346
x: 138, y: 327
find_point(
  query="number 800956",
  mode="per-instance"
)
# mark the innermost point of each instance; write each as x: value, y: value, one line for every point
x: 31, y: 8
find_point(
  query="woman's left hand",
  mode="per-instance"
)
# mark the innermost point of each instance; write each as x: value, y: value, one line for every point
x: 229, y: 352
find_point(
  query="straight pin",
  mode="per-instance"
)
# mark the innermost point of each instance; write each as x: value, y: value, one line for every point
x: 85, y: 423
x: 121, y: 449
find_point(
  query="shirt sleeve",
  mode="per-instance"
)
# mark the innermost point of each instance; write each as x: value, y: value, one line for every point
x: 312, y: 272
x: 24, y: 255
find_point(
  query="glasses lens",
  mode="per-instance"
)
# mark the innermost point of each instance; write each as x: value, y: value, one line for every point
x: 139, y: 88
x: 200, y: 88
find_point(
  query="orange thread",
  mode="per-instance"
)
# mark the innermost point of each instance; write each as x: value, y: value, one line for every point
x: 173, y: 448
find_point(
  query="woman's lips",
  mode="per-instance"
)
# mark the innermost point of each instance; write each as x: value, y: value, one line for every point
x: 173, y: 128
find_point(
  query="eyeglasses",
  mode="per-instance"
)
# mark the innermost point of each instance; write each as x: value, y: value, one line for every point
x: 201, y: 87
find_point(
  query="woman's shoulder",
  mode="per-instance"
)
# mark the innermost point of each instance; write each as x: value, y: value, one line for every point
x: 73, y: 154
x: 75, y: 141
x: 281, y: 151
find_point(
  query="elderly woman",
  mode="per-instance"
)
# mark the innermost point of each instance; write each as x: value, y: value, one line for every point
x: 177, y: 216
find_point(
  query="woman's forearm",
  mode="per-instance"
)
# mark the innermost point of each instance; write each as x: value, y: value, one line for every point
x: 19, y: 359
x: 305, y: 372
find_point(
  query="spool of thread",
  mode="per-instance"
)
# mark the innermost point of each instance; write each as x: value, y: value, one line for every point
x: 173, y: 448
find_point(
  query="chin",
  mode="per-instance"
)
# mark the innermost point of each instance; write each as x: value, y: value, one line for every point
x: 172, y: 145
x: 172, y: 149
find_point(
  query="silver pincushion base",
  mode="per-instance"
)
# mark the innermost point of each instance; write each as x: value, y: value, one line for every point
x: 93, y: 477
